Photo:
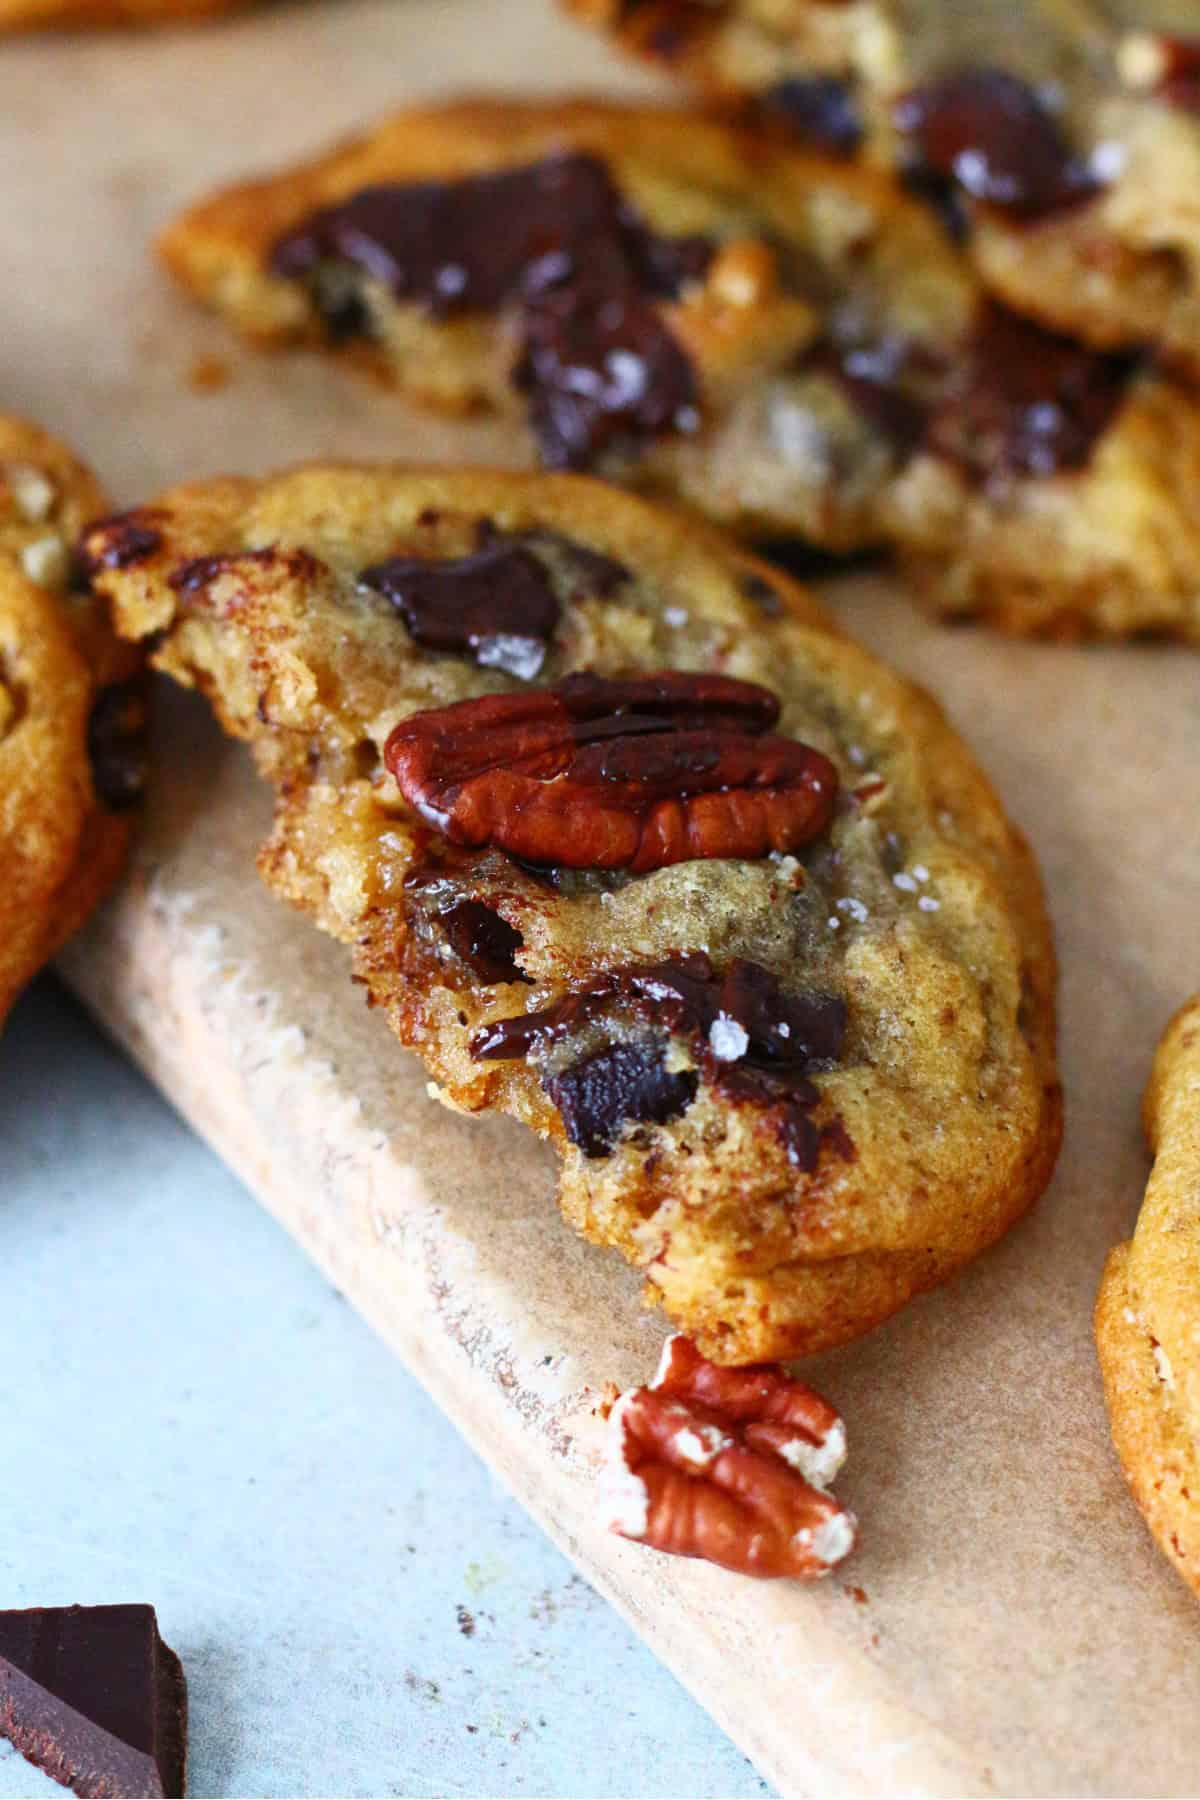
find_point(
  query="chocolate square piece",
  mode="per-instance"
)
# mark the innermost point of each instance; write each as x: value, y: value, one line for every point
x: 93, y: 1696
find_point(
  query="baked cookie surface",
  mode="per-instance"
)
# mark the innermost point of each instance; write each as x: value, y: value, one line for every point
x: 631, y: 844
x: 1065, y: 138
x: 786, y: 343
x: 70, y: 710
x: 658, y: 296
x: 1148, y: 1310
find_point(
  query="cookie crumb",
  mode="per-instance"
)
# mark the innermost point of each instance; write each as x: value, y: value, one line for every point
x: 207, y: 374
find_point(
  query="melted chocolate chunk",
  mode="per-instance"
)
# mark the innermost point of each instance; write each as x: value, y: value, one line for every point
x: 754, y: 1041
x: 882, y: 382
x: 1026, y: 401
x: 555, y: 239
x: 994, y: 135
x: 762, y: 1022
x: 597, y: 1096
x: 477, y: 244
x: 601, y: 370
x: 818, y: 109
x: 116, y: 742
x: 118, y: 542
x: 485, y: 942
x: 497, y: 606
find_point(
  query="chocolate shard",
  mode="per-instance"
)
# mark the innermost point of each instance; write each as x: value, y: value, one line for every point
x: 92, y: 1696
x: 486, y: 943
x: 625, y: 1082
x: 496, y: 606
x: 998, y: 139
x: 557, y: 241
x: 601, y: 371
x: 1026, y: 401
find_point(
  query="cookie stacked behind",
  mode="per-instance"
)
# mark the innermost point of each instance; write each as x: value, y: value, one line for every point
x: 631, y: 844
x: 1063, y: 145
x: 70, y: 711
x: 1148, y: 1311
x: 788, y: 343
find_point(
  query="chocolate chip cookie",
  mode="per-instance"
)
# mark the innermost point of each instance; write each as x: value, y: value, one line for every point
x: 1061, y: 141
x: 661, y: 299
x: 629, y: 842
x: 1148, y: 1310
x: 787, y: 343
x: 70, y: 711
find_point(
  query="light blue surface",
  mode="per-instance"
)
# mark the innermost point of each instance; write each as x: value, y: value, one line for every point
x: 193, y: 1417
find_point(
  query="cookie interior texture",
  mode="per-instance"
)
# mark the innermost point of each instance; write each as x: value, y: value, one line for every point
x: 66, y: 682
x: 920, y: 910
x: 1117, y: 264
x: 1148, y: 1311
x: 852, y: 384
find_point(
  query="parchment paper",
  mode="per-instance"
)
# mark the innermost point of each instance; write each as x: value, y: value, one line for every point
x: 1018, y: 1633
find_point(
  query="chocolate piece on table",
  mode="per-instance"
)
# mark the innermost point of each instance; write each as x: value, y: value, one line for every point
x: 92, y: 1695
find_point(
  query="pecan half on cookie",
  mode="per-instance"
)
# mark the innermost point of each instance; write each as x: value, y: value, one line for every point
x: 70, y: 711
x: 690, y: 884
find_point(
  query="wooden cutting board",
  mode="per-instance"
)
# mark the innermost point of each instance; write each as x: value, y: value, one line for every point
x: 1007, y: 1627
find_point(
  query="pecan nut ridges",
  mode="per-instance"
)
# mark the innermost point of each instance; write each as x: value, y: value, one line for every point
x: 730, y: 1466
x: 633, y: 774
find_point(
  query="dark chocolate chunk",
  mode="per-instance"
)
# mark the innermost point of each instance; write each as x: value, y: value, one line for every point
x: 1026, y: 401
x: 601, y: 370
x: 742, y: 1014
x: 485, y: 942
x: 556, y: 240
x: 116, y: 742
x: 805, y: 1029
x: 118, y: 541
x: 92, y: 1695
x: 883, y: 383
x: 754, y: 1041
x: 497, y: 605
x: 621, y: 1083
x: 995, y: 136
x: 818, y: 109
x: 477, y: 244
